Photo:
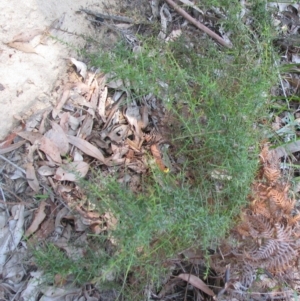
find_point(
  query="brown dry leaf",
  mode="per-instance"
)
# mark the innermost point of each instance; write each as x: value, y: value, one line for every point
x: 60, y: 280
x: 61, y: 102
x: 118, y: 156
x: 46, y: 171
x: 157, y: 156
x: 39, y: 217
x: 59, y: 138
x: 50, y: 149
x: 64, y: 119
x: 137, y: 166
x: 31, y: 177
x: 24, y: 47
x: 95, y: 95
x: 196, y: 282
x: 30, y: 136
x: 78, y: 99
x: 110, y: 220
x: 72, y: 171
x: 47, y: 228
x: 27, y: 36
x: 11, y: 147
x: 8, y: 140
x: 86, y: 127
x: 42, y: 127
x: 88, y: 219
x: 80, y: 67
x: 134, y: 118
x: 87, y: 148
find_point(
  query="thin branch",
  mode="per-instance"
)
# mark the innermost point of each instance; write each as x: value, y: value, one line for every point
x: 198, y: 24
x: 13, y: 164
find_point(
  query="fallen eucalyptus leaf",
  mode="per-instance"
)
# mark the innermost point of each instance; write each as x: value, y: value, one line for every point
x: 72, y: 171
x: 12, y: 147
x: 14, y: 271
x: 30, y: 136
x: 11, y: 235
x: 39, y: 217
x: 196, y: 282
x: 24, y: 47
x: 59, y: 138
x: 46, y: 171
x: 87, y: 148
x: 26, y: 36
x: 158, y: 158
x: 61, y: 102
x: 31, y: 178
x: 32, y: 290
x: 80, y: 67
x: 50, y: 149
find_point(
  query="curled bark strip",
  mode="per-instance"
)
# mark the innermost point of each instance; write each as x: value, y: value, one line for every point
x: 198, y: 24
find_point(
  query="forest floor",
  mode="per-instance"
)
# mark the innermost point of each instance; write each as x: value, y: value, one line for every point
x: 160, y: 156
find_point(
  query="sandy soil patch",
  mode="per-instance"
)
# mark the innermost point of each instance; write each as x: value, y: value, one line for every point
x: 27, y: 79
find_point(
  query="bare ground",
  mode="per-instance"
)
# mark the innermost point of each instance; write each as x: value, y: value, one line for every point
x: 27, y: 79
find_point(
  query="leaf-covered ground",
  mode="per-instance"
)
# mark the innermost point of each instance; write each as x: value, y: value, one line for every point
x: 121, y: 190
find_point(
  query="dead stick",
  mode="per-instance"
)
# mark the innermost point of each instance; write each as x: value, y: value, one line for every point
x: 198, y: 24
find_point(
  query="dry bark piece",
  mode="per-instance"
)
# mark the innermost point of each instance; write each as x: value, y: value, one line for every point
x: 64, y: 119
x: 102, y: 102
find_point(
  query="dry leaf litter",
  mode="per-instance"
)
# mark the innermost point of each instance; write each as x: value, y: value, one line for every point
x: 96, y: 124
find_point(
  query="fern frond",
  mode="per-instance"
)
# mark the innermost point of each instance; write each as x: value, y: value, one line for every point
x: 283, y: 233
x: 271, y: 174
x: 293, y: 221
x: 265, y: 251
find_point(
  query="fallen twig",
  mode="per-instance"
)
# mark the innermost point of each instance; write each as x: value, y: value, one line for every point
x: 13, y: 164
x: 198, y: 24
x: 108, y: 17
